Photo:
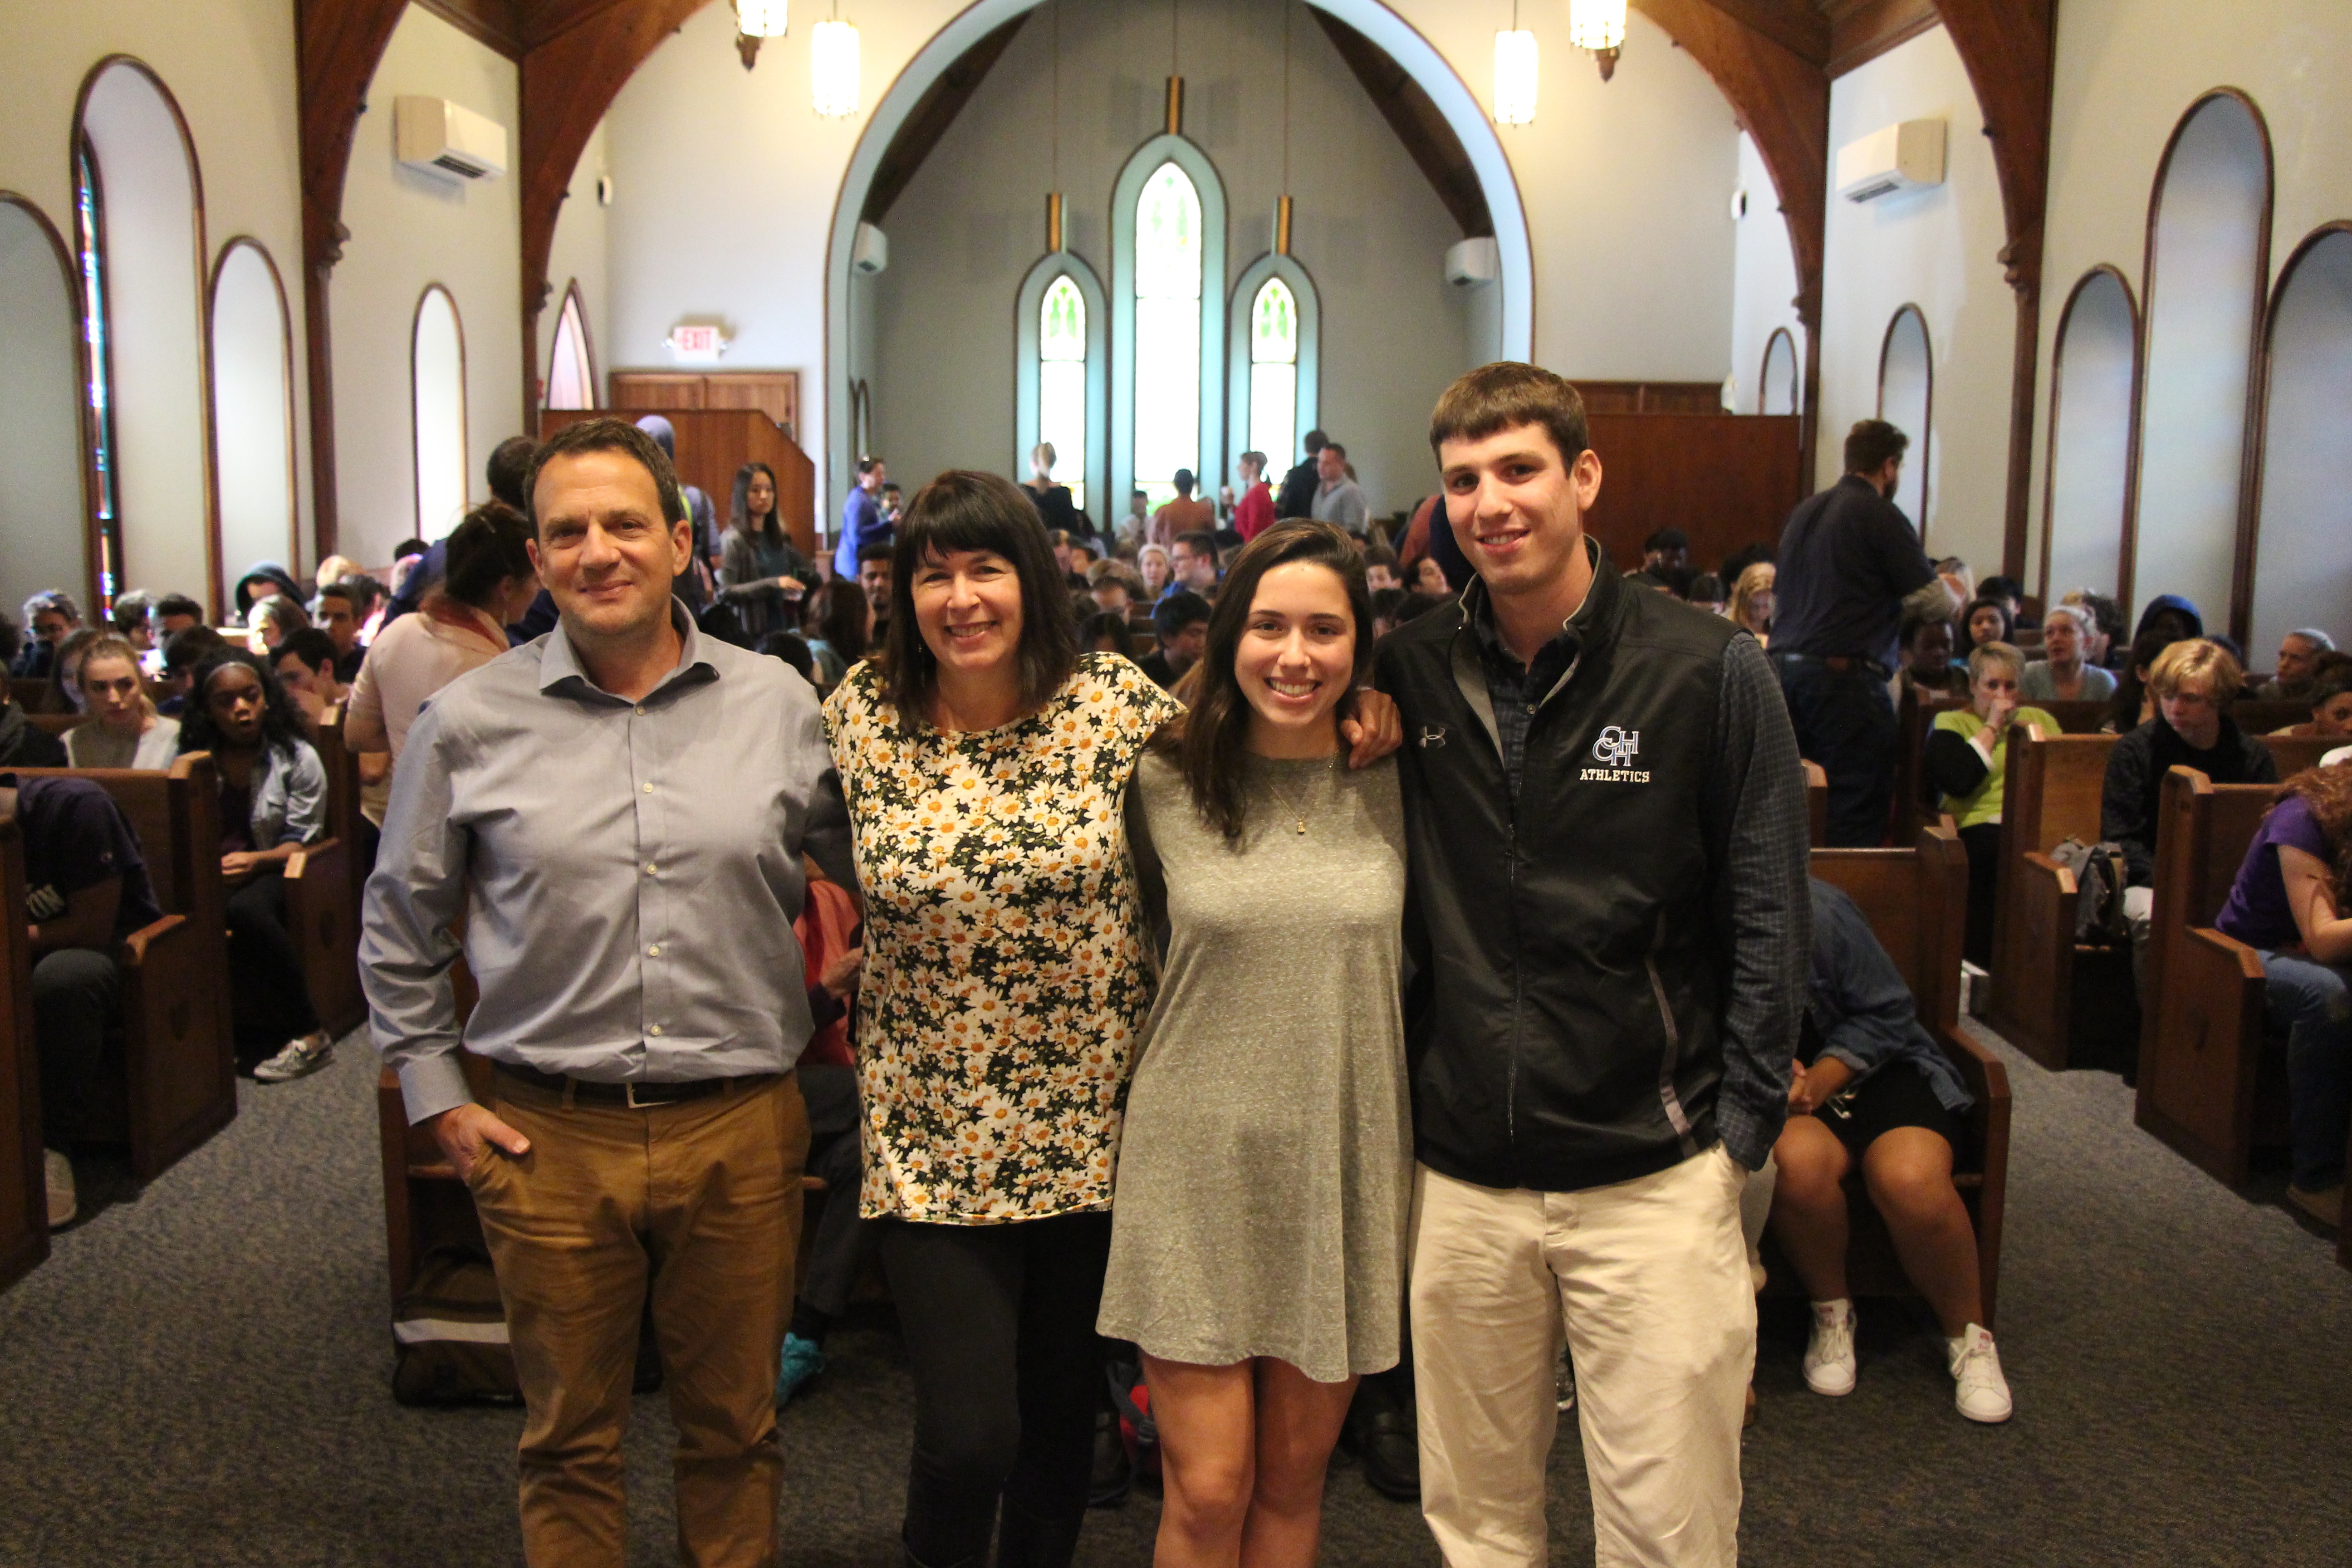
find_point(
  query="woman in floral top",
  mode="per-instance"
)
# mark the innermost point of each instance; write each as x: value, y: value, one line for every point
x: 1006, y: 980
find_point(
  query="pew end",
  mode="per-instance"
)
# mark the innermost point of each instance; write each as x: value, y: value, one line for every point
x: 319, y: 917
x: 172, y: 1075
x: 1817, y: 804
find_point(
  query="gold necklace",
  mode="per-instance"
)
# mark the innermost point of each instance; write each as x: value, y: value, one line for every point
x: 1294, y: 809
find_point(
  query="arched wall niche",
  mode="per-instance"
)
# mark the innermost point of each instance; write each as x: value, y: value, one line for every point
x: 571, y: 358
x: 2299, y: 572
x: 44, y: 510
x: 1460, y: 106
x: 1778, y: 387
x: 1027, y: 402
x: 1241, y: 408
x: 2207, y: 260
x: 151, y: 241
x: 436, y: 358
x: 2086, y: 482
x: 1906, y: 400
x: 1133, y: 389
x: 252, y: 341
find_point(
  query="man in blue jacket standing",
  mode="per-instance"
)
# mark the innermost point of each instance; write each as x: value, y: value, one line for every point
x: 862, y: 523
x: 1607, y: 852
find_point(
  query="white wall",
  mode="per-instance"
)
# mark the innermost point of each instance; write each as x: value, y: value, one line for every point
x: 579, y: 252
x: 43, y: 528
x: 1937, y: 250
x: 252, y: 435
x: 1653, y: 154
x: 229, y: 65
x: 2127, y: 71
x: 2303, y: 573
x: 1367, y: 227
x: 1764, y: 281
x: 408, y: 230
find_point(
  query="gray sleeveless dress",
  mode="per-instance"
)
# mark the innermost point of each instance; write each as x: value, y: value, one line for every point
x: 1265, y: 1171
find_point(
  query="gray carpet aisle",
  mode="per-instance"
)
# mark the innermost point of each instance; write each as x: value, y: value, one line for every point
x: 198, y: 1375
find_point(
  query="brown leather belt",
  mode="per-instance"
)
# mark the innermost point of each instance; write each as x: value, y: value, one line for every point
x: 1838, y: 663
x: 635, y: 1096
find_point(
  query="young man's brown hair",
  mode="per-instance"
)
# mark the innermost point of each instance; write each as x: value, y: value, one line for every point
x: 1507, y: 393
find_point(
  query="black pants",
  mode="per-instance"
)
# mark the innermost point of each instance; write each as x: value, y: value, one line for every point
x: 1000, y: 1327
x: 841, y: 1237
x: 1845, y: 722
x: 1983, y: 843
x: 76, y: 996
x: 268, y: 1001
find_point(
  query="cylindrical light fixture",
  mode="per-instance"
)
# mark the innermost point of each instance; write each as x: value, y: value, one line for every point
x: 1596, y: 25
x: 1514, y: 78
x: 758, y: 19
x: 833, y: 68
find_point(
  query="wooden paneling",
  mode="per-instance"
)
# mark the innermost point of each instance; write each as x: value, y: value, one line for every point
x: 774, y: 393
x: 1727, y: 480
x: 1650, y: 396
x: 1862, y: 30
x: 711, y: 445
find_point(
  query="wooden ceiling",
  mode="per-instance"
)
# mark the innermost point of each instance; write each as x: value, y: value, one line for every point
x: 515, y: 28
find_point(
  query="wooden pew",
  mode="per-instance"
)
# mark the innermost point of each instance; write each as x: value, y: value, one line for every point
x: 23, y: 1185
x: 1914, y: 805
x: 1917, y: 899
x: 2050, y: 792
x: 58, y: 723
x: 323, y: 908
x: 1817, y: 804
x: 2076, y: 717
x: 178, y: 1084
x: 29, y: 695
x: 2256, y: 717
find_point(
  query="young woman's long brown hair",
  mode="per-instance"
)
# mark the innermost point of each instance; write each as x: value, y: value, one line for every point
x: 1214, y: 745
x: 2328, y: 793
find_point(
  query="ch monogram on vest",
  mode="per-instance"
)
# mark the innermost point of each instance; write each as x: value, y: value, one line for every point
x: 1614, y: 749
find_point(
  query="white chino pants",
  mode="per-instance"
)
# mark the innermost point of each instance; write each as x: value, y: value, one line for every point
x: 1649, y: 1280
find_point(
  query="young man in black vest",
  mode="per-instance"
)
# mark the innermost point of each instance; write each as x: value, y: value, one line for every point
x: 1608, y: 922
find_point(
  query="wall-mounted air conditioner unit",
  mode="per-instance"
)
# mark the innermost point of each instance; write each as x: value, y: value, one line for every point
x: 1474, y: 262
x: 443, y: 137
x: 1905, y: 157
x: 870, y: 249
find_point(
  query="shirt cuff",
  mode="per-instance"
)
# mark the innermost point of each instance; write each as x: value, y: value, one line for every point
x: 1747, y: 1136
x: 430, y: 1085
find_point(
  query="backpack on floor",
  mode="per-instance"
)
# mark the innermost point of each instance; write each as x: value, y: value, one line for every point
x: 449, y: 1332
x: 2099, y: 878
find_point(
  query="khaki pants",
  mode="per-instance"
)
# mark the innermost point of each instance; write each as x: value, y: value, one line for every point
x: 1649, y: 1278
x: 702, y: 1203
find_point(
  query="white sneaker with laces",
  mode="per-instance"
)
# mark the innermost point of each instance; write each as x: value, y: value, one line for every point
x: 306, y: 1055
x: 1983, y: 1393
x: 1829, y: 1358
x: 63, y: 1203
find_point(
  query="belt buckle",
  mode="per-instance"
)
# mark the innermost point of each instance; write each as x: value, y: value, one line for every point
x: 629, y: 1097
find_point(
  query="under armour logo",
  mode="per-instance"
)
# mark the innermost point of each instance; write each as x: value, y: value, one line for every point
x: 1617, y: 747
x: 1433, y: 735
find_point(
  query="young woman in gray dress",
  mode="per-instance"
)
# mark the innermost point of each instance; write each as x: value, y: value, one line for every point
x: 1258, y: 1228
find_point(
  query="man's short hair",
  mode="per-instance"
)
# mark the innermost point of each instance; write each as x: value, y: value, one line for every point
x: 314, y: 648
x: 1314, y: 442
x: 1377, y: 553
x: 1335, y: 446
x: 1177, y: 611
x: 1200, y: 542
x: 344, y: 589
x: 2193, y: 659
x: 132, y: 609
x: 874, y: 550
x: 868, y: 465
x: 1872, y: 444
x: 609, y: 435
x: 1184, y: 481
x: 509, y: 471
x: 191, y: 645
x: 1666, y: 539
x: 2001, y: 588
x: 2331, y: 677
x: 51, y: 601
x: 176, y: 604
x: 1505, y: 396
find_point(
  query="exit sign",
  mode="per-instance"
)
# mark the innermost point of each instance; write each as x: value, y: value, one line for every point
x: 696, y: 342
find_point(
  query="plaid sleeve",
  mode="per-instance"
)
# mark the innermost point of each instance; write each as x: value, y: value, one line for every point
x: 1757, y: 840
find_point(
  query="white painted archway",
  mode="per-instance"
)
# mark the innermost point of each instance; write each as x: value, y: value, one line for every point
x: 1403, y: 44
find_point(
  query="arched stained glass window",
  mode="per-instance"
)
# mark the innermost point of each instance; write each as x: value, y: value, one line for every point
x: 1274, y: 370
x: 1062, y: 383
x: 1168, y: 271
x: 570, y: 370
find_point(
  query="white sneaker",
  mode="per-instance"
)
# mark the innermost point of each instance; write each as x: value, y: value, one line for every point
x: 1829, y: 1358
x: 63, y: 1203
x: 306, y: 1055
x: 1983, y: 1393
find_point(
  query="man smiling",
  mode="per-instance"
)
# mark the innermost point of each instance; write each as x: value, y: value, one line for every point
x: 627, y: 804
x: 1606, y: 827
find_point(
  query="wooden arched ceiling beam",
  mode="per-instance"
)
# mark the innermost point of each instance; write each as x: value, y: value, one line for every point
x: 2008, y: 48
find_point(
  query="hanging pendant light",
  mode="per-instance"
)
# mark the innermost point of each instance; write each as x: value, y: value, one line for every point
x: 833, y: 68
x: 758, y: 19
x: 1514, y: 78
x: 1597, y: 26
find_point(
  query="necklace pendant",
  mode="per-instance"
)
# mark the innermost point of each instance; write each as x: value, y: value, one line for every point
x: 1302, y: 826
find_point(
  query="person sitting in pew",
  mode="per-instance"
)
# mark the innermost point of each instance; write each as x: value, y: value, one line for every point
x: 2065, y: 672
x: 2299, y: 656
x: 23, y: 743
x: 183, y: 651
x: 2286, y: 905
x: 1926, y: 661
x: 2192, y: 683
x: 86, y: 889
x: 305, y: 666
x: 1967, y: 761
x: 2329, y: 692
x: 1872, y: 1087
x: 273, y: 801
x: 124, y: 729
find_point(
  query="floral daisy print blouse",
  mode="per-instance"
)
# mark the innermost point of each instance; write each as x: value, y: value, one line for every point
x: 1006, y: 976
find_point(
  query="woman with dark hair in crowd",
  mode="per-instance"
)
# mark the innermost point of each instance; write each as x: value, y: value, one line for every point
x: 1257, y: 1248
x: 761, y: 574
x: 273, y: 800
x: 1105, y: 631
x: 273, y: 620
x: 124, y: 729
x: 460, y: 627
x: 845, y: 629
x: 65, y: 693
x: 1987, y: 621
x: 2290, y: 904
x: 986, y: 765
x: 2132, y: 704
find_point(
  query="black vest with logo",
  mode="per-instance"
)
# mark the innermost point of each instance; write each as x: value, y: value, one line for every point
x: 1562, y: 1023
